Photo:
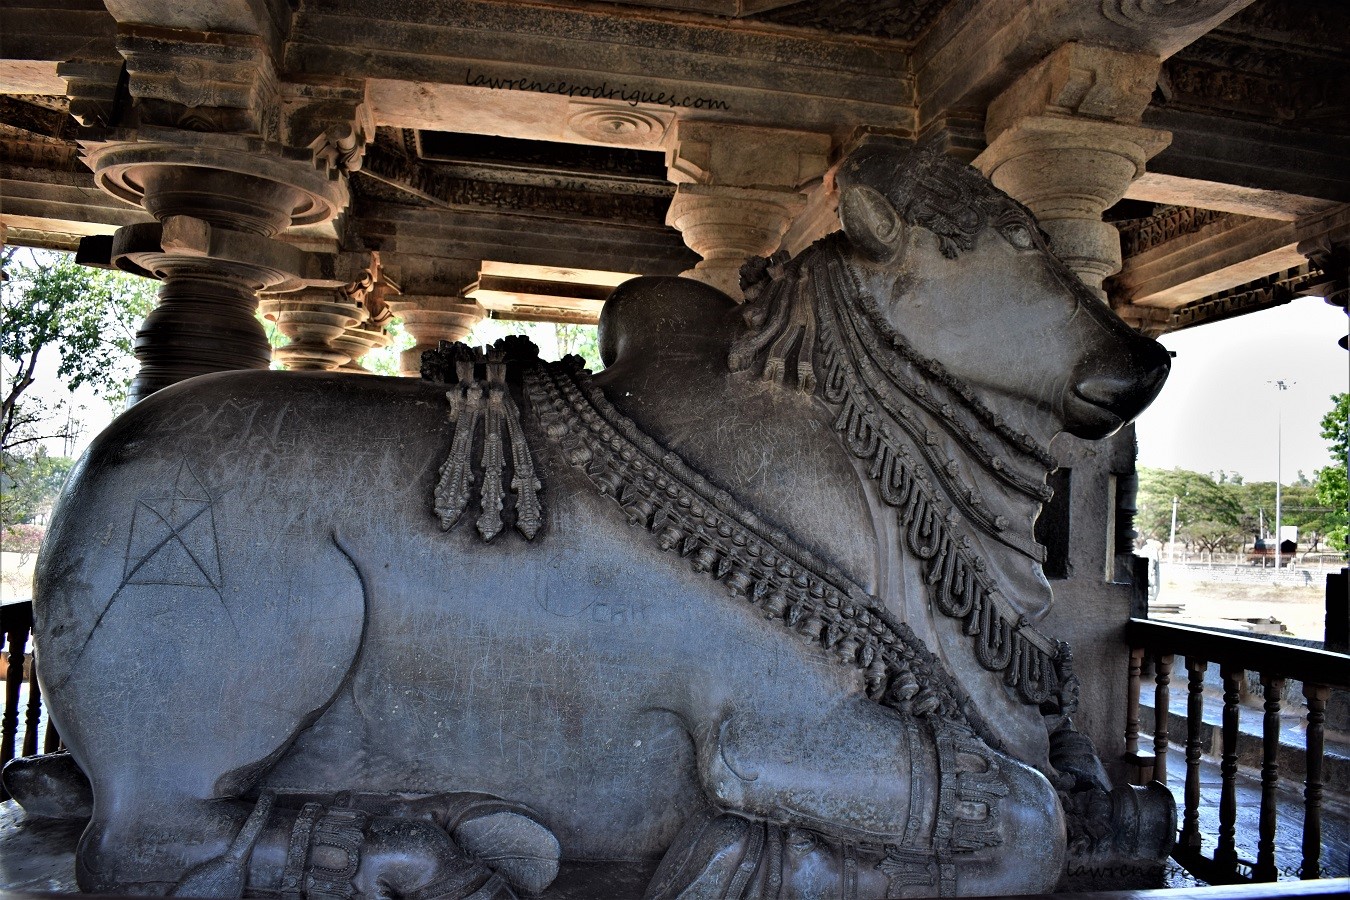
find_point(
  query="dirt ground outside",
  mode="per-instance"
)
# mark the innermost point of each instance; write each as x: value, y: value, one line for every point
x: 1228, y: 596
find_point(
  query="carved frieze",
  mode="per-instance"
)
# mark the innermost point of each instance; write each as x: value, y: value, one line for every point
x: 1271, y: 62
x: 1264, y: 293
x: 1140, y: 235
x: 900, y: 21
x: 424, y: 180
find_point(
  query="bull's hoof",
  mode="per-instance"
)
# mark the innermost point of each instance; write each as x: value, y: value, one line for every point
x: 519, y: 849
x: 1119, y: 839
x: 50, y: 786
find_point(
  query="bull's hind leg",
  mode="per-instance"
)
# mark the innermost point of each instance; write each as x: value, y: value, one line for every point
x: 176, y: 687
x: 940, y: 807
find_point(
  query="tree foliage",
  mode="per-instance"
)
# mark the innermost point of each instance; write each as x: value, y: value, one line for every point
x: 1204, y: 506
x: 84, y: 317
x: 29, y: 483
x: 1330, y: 484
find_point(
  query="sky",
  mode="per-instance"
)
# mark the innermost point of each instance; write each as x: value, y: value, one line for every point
x: 1220, y: 410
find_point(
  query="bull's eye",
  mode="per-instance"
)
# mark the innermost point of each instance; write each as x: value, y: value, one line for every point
x: 1019, y: 235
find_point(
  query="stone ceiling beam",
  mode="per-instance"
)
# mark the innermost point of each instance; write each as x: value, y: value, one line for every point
x: 268, y: 19
x: 993, y: 41
x: 438, y: 59
x: 1250, y: 168
x: 1228, y: 251
x: 36, y: 35
x: 1194, y: 266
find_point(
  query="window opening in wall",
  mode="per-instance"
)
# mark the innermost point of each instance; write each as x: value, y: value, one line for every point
x: 1231, y: 462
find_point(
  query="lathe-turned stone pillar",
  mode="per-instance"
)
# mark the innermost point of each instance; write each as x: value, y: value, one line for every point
x: 1065, y: 139
x: 372, y: 331
x: 331, y: 328
x: 431, y: 319
x: 225, y: 160
x: 737, y: 190
x: 219, y: 208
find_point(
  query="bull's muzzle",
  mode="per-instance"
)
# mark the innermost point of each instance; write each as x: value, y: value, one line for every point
x: 1105, y: 398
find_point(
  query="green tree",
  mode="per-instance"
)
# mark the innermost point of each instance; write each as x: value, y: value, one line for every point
x: 83, y: 318
x: 28, y: 483
x: 86, y: 318
x: 583, y: 340
x: 1331, y: 482
x: 1205, y: 508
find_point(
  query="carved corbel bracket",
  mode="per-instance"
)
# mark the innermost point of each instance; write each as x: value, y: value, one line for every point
x: 712, y: 153
x: 1325, y: 240
x: 92, y: 87
x: 331, y: 119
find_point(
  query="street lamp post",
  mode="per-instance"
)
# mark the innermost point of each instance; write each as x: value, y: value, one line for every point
x: 1280, y: 387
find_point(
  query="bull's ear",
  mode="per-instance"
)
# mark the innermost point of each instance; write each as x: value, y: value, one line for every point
x: 870, y: 221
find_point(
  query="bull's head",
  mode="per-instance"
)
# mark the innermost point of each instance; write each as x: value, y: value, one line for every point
x: 964, y: 272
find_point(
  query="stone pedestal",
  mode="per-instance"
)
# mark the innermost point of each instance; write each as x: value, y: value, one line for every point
x: 738, y: 190
x: 1064, y: 140
x: 431, y: 319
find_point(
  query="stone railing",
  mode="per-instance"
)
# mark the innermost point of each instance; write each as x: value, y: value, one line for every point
x: 1159, y: 643
x: 16, y: 625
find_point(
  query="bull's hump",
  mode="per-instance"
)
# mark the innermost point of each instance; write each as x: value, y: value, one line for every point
x: 774, y: 451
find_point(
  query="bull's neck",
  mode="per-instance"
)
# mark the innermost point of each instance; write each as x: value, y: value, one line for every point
x: 897, y: 410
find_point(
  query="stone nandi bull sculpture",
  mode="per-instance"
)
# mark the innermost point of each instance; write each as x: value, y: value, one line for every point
x: 749, y: 614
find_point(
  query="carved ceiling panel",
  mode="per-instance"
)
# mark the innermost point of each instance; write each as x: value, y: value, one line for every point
x: 1277, y: 61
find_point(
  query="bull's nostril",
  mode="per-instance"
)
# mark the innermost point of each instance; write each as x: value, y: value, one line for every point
x: 1103, y: 390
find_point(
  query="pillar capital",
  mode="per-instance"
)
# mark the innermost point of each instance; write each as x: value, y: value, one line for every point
x: 1065, y: 139
x: 738, y: 189
x: 1324, y: 239
x: 714, y: 153
x: 430, y: 319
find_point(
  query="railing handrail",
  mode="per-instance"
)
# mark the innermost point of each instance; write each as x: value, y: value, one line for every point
x: 1253, y: 654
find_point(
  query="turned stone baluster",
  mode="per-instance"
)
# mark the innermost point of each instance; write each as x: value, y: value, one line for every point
x: 312, y: 319
x: 1225, y: 854
x: 51, y: 740
x: 17, y: 638
x: 1195, y: 705
x: 1132, y: 689
x: 1316, y: 695
x: 33, y: 713
x: 1161, y: 698
x: 1272, y: 686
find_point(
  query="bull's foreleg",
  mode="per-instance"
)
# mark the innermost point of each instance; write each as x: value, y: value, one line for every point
x: 936, y: 801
